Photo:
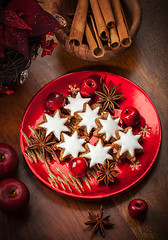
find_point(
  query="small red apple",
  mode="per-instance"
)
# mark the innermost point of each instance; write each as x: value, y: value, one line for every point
x: 55, y: 101
x: 14, y: 195
x: 130, y: 116
x: 78, y: 166
x: 9, y: 161
x: 88, y: 87
x: 138, y: 208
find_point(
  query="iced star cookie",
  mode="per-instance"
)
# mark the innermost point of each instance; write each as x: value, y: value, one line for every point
x: 86, y: 119
x: 70, y: 146
x: 106, y: 127
x: 127, y: 144
x: 97, y: 153
x: 56, y: 124
x: 76, y: 104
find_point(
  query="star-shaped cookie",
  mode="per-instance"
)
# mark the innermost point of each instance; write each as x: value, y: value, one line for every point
x: 55, y: 124
x: 76, y: 104
x: 127, y: 144
x: 97, y: 153
x: 107, y: 127
x: 87, y: 117
x: 70, y: 146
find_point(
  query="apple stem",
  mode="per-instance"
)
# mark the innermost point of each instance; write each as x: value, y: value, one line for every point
x: 1, y: 156
x: 49, y: 106
x: 12, y: 192
x: 126, y: 111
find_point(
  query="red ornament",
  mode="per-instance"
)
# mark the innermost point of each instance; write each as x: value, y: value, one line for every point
x: 14, y: 195
x: 88, y: 87
x: 78, y: 166
x: 48, y: 46
x: 130, y: 116
x: 55, y: 101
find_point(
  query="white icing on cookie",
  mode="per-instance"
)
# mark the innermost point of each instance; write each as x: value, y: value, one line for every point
x: 98, y: 153
x: 72, y: 145
x: 55, y: 124
x: 109, y: 126
x: 88, y: 117
x: 76, y: 104
x: 128, y: 142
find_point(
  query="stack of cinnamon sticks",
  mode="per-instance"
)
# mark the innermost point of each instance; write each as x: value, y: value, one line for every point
x: 102, y: 23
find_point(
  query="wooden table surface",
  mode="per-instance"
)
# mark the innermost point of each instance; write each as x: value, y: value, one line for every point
x: 50, y: 216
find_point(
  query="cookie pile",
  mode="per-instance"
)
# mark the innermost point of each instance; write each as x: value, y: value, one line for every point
x: 74, y: 126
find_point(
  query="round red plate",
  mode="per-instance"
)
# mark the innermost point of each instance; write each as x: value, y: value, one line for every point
x: 130, y: 174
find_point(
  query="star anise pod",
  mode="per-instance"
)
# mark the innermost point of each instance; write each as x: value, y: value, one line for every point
x: 108, y: 98
x: 107, y: 172
x: 98, y: 222
x: 42, y: 143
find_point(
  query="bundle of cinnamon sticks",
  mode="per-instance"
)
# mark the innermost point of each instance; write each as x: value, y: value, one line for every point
x: 102, y: 23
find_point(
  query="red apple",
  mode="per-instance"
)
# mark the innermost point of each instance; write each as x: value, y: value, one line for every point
x: 138, y: 208
x: 9, y: 161
x: 14, y: 195
x: 88, y: 87
x: 130, y: 116
x: 78, y: 166
x: 55, y: 101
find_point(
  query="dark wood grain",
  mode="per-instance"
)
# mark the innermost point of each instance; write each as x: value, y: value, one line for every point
x: 50, y: 216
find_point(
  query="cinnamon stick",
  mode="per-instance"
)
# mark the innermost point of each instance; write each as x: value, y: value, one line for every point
x: 121, y: 23
x: 94, y: 42
x: 114, y: 42
x: 106, y: 10
x: 100, y: 23
x: 78, y: 23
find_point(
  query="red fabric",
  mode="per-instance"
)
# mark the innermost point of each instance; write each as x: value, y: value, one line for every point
x: 20, y: 20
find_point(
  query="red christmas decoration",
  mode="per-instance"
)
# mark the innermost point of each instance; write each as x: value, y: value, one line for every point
x: 48, y: 46
x: 20, y: 20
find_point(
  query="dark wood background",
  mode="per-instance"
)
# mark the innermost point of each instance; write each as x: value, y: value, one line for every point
x: 50, y: 216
